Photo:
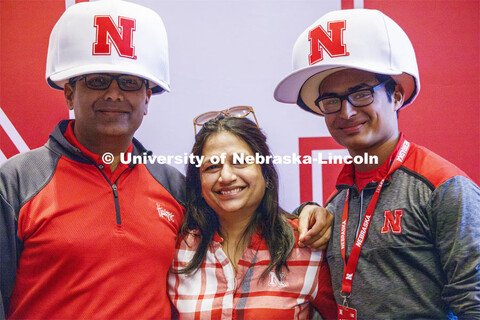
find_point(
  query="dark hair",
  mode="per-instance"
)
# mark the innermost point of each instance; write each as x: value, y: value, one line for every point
x: 389, y: 86
x: 269, y: 217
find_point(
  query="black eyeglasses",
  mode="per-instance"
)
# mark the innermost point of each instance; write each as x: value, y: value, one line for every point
x: 237, y: 112
x: 359, y: 98
x: 102, y: 81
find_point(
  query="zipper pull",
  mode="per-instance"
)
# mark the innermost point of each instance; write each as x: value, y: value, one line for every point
x: 117, y: 205
x: 115, y: 191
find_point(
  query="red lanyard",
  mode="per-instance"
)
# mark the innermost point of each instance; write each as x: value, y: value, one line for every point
x: 351, y: 266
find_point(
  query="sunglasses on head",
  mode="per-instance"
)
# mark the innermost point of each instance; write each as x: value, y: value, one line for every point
x: 237, y: 112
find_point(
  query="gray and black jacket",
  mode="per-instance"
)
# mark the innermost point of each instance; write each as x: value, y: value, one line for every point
x: 421, y: 255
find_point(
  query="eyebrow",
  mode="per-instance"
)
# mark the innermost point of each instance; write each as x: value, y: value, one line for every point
x: 349, y: 90
x: 206, y: 160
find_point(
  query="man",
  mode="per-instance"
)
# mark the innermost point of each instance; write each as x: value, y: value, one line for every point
x: 406, y: 236
x: 82, y: 234
x: 79, y: 238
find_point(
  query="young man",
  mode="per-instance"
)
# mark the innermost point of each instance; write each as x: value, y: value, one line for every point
x: 83, y: 235
x: 406, y: 236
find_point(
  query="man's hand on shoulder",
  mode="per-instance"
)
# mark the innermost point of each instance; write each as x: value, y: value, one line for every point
x: 315, y: 227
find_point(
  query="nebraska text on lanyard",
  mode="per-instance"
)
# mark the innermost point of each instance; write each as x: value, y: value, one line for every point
x: 351, y: 266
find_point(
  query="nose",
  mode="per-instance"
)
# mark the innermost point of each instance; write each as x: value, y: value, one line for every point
x: 114, y: 92
x: 227, y: 174
x: 347, y: 110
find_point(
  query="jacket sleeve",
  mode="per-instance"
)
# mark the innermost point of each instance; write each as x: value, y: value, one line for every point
x: 298, y: 210
x: 454, y: 210
x: 21, y: 177
x: 9, y: 248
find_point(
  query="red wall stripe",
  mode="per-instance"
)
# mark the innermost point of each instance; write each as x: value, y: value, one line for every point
x: 347, y: 4
x: 329, y: 171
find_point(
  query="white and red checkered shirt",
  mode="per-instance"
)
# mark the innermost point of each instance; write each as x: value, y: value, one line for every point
x: 214, y: 291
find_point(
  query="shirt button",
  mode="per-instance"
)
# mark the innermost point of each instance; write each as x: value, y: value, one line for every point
x: 100, y: 166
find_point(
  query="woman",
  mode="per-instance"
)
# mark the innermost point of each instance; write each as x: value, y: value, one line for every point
x: 237, y: 255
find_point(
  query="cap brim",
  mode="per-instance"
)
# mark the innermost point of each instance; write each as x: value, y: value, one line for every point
x: 301, y: 86
x: 58, y: 80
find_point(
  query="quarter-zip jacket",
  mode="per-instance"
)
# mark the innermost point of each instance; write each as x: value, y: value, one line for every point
x: 421, y: 255
x: 76, y: 245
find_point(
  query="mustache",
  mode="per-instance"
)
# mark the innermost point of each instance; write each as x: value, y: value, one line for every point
x: 111, y: 106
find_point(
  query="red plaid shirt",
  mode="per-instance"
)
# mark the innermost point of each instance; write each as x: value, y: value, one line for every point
x: 215, y: 292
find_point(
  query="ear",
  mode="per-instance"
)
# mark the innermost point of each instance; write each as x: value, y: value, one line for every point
x: 147, y: 100
x: 69, y: 92
x: 398, y: 97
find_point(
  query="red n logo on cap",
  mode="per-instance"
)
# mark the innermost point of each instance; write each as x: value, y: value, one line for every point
x: 390, y: 222
x: 108, y: 33
x: 332, y: 41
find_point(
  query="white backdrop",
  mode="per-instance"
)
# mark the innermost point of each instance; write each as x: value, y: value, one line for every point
x: 228, y: 53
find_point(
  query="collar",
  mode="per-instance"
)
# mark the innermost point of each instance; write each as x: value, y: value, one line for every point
x: 347, y: 174
x: 254, y: 241
x: 112, y: 176
x: 70, y: 136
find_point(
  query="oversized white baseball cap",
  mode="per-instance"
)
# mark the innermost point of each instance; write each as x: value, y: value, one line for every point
x: 109, y: 36
x: 356, y: 38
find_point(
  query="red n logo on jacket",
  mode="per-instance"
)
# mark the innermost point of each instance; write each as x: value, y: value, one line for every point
x: 395, y: 224
x: 332, y: 41
x: 108, y: 33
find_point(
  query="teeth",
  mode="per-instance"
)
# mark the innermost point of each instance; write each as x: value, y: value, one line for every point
x: 230, y: 191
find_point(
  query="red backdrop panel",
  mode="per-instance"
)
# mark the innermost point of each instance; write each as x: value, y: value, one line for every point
x: 31, y: 106
x: 446, y: 116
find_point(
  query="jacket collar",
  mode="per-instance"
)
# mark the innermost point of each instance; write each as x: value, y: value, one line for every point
x: 347, y: 174
x: 60, y: 145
